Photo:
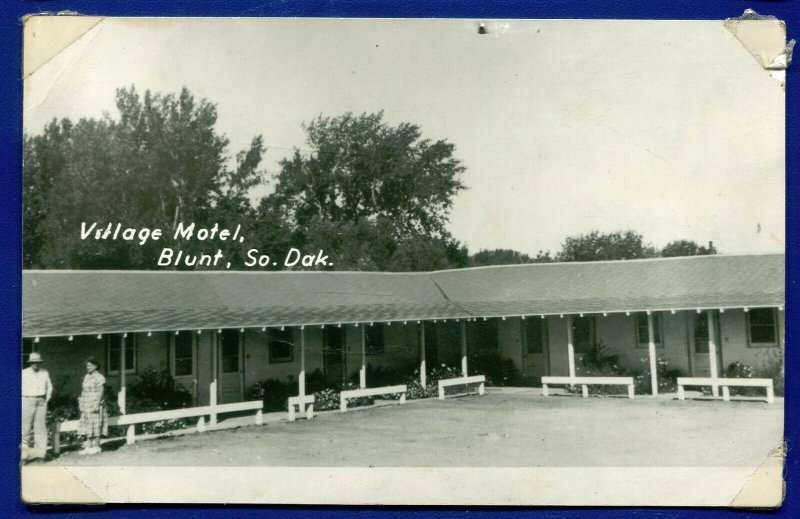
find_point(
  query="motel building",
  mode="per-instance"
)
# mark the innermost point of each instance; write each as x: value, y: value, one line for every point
x: 218, y: 333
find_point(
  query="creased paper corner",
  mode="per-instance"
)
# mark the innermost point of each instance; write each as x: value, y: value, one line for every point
x: 46, y: 35
x: 764, y: 37
x: 766, y: 487
x: 53, y: 484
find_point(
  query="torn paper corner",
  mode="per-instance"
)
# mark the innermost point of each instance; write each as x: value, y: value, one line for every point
x: 46, y: 35
x: 764, y: 37
x: 54, y: 484
x: 766, y: 487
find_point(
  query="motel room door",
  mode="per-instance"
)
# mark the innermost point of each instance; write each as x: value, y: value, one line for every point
x: 183, y: 360
x: 535, y: 348
x: 230, y: 366
x: 698, y: 336
x: 333, y: 355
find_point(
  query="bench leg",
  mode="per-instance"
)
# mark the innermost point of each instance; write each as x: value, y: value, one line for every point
x: 130, y: 437
x: 481, y: 389
x: 291, y: 412
x: 726, y: 394
x: 681, y: 393
x: 544, y: 390
x: 402, y: 398
x: 259, y: 417
x: 715, y: 390
x: 630, y: 391
x: 57, y: 439
x: 343, y: 405
x: 584, y: 390
x: 770, y: 394
x: 201, y: 424
x: 310, y: 412
x: 441, y: 393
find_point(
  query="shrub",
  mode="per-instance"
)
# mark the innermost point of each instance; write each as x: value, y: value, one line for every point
x: 771, y: 368
x: 157, y: 390
x: 274, y: 393
x: 378, y: 376
x: 328, y: 399
x: 441, y: 373
x: 499, y: 370
x: 667, y: 378
x: 415, y: 390
x: 597, y: 362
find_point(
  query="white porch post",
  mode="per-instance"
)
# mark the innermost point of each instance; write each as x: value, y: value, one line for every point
x: 712, y: 352
x: 121, y: 398
x: 464, y: 348
x: 651, y: 346
x: 423, y: 368
x: 362, y: 374
x: 301, y: 380
x: 570, y: 347
x: 212, y: 387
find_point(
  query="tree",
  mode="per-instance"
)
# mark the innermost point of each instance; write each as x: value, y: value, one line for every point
x: 374, y: 196
x: 687, y: 248
x: 161, y: 162
x: 506, y: 257
x: 596, y: 246
x: 498, y: 257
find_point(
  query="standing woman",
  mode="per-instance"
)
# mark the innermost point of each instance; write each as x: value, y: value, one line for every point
x: 94, y: 417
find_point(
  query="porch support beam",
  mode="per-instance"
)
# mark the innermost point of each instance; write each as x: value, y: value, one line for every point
x: 423, y: 368
x: 651, y: 346
x: 301, y: 380
x: 570, y: 347
x: 362, y: 373
x: 212, y: 387
x: 121, y: 396
x: 464, y: 371
x: 712, y: 352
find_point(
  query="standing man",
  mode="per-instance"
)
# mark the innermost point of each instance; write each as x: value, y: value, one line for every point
x: 36, y: 392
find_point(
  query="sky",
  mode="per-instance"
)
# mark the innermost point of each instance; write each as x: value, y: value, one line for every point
x: 671, y: 129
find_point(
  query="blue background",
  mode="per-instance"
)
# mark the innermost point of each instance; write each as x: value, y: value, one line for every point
x: 11, y: 223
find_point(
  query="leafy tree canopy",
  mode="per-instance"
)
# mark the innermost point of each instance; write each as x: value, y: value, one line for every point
x: 687, y: 248
x: 597, y: 246
x: 506, y: 257
x: 159, y: 163
x: 374, y: 196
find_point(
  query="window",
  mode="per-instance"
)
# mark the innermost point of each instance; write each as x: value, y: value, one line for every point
x: 701, y: 333
x: 536, y: 335
x: 583, y: 333
x: 643, y: 334
x: 229, y: 350
x: 762, y: 326
x: 27, y: 349
x: 114, y: 349
x: 374, y: 339
x: 183, y: 355
x: 281, y: 348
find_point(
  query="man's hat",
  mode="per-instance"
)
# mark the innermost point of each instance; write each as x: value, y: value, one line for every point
x: 35, y: 357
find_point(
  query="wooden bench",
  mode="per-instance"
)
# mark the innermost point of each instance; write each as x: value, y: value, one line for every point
x: 584, y: 382
x: 463, y: 381
x: 304, y: 403
x: 725, y: 384
x: 156, y: 416
x: 371, y: 391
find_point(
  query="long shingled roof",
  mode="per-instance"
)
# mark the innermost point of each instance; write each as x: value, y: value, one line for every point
x: 69, y: 302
